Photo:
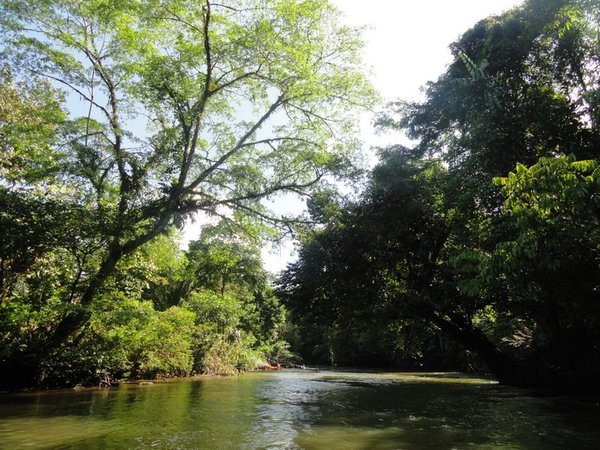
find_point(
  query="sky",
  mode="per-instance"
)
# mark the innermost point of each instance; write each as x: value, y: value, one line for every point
x: 407, y: 44
x: 407, y: 40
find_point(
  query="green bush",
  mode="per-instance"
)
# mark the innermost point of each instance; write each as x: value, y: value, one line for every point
x: 126, y: 338
x: 221, y: 346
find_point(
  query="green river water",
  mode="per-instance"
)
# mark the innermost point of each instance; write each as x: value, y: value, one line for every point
x: 301, y: 409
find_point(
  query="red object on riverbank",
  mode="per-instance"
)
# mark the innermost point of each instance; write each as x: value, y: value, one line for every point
x: 268, y: 366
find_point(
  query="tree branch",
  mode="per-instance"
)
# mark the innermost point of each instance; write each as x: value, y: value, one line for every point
x: 74, y: 89
x: 240, y: 144
x: 200, y: 106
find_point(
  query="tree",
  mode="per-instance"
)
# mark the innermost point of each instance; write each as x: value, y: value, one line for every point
x: 521, y: 86
x: 238, y: 102
x: 226, y: 263
x: 30, y: 116
x: 511, y: 273
x: 545, y: 272
x: 371, y: 274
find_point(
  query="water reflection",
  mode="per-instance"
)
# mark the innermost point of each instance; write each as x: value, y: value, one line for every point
x: 301, y: 409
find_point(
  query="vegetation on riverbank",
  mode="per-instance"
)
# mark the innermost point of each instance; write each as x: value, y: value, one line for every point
x: 478, y: 248
x: 487, y: 229
x: 122, y: 120
x: 167, y: 312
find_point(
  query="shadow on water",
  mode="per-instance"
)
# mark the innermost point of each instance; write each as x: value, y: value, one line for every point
x: 301, y: 409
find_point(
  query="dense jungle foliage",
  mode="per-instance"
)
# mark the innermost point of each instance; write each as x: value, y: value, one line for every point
x: 477, y: 247
x: 120, y: 121
x: 486, y: 230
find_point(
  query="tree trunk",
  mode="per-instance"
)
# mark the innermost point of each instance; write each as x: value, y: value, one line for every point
x: 24, y: 369
x: 76, y: 320
x: 506, y: 369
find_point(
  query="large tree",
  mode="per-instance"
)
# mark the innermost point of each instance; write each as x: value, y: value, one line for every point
x: 512, y: 273
x: 390, y: 266
x: 184, y: 106
x: 521, y: 85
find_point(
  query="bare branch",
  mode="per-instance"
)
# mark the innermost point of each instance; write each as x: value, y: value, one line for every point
x: 233, y: 81
x: 74, y: 89
x: 207, y: 51
x: 270, y: 141
x: 290, y: 187
x: 200, y: 106
x: 240, y: 144
x: 310, y: 115
x: 231, y: 8
x: 177, y: 18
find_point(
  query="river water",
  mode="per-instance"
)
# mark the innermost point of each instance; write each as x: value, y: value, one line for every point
x: 301, y: 409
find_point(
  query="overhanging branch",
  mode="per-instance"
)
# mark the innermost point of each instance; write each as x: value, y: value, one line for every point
x: 240, y: 144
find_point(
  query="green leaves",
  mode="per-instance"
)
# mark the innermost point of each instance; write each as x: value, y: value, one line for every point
x: 484, y: 229
x: 31, y: 115
x: 221, y: 87
x: 173, y: 107
x: 553, y: 189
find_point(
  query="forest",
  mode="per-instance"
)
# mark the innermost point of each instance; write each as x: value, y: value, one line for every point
x: 474, y: 248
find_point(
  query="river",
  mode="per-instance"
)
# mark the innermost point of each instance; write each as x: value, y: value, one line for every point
x: 301, y: 409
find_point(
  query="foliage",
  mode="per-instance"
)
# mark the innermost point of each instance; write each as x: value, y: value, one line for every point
x: 226, y: 286
x: 224, y: 261
x: 443, y: 241
x: 221, y: 346
x: 130, y: 339
x: 155, y: 271
x: 134, y: 333
x: 358, y: 277
x: 31, y: 114
x: 519, y: 88
x: 549, y: 265
x: 174, y: 108
x: 483, y: 231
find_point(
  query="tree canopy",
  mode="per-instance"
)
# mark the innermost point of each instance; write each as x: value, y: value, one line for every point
x: 130, y: 117
x: 477, y: 247
x: 485, y: 230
